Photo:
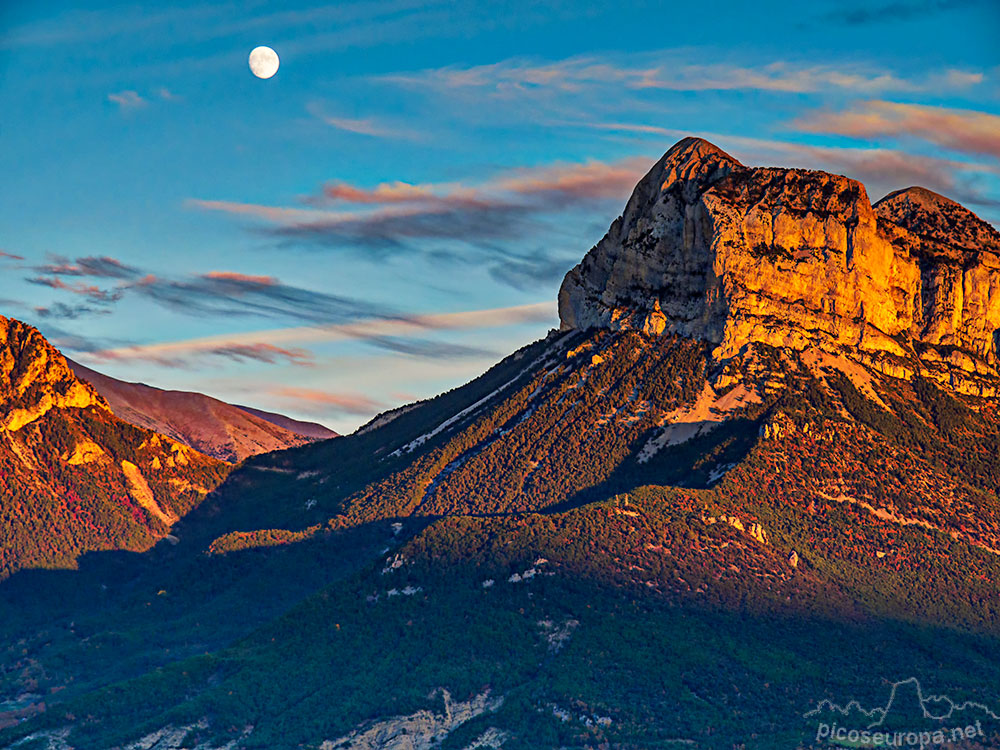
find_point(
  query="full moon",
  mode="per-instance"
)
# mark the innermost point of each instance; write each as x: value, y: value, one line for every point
x: 263, y: 62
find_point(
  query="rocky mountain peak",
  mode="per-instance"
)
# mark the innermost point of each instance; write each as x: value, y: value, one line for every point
x: 34, y: 377
x: 689, y: 166
x: 938, y: 219
x: 710, y: 249
x: 694, y: 161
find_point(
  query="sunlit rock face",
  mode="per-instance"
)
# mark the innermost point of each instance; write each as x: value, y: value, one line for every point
x: 35, y: 378
x: 958, y: 259
x: 710, y: 249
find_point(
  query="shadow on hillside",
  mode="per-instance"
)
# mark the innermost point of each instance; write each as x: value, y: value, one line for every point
x: 661, y: 668
x: 121, y: 614
x: 696, y: 463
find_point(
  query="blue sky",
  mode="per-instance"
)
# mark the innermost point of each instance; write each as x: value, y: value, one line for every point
x: 324, y: 243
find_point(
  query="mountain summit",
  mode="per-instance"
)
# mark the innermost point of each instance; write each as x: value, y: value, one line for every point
x: 713, y: 250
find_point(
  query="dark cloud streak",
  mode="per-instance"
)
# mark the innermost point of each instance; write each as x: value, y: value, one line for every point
x: 894, y: 12
x: 213, y: 294
x: 103, y: 267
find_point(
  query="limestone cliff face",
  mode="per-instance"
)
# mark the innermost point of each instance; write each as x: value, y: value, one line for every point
x: 35, y: 378
x: 710, y: 249
x: 957, y: 315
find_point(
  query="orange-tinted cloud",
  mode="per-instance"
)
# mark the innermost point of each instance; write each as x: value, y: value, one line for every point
x: 474, y: 223
x: 592, y: 180
x: 962, y: 130
x: 389, y: 192
x: 326, y: 402
x: 241, y: 278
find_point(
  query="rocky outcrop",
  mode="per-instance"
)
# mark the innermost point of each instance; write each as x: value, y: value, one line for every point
x: 35, y: 378
x: 140, y: 492
x: 419, y: 731
x: 710, y: 249
x: 957, y: 311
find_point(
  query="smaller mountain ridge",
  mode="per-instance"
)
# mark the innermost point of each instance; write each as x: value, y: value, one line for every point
x: 213, y: 427
x: 939, y: 219
x: 298, y: 426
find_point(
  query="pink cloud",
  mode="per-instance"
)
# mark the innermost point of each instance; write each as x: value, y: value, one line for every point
x: 389, y: 192
x: 241, y: 278
x: 349, y: 403
x: 593, y: 179
x: 127, y: 100
x: 962, y: 130
x: 395, y: 200
x: 366, y: 126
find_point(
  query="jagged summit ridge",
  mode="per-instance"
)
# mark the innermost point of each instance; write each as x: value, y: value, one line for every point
x: 710, y: 249
x: 935, y: 217
x: 34, y: 378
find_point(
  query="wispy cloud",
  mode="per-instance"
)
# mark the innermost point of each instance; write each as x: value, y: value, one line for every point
x: 10, y: 256
x: 260, y: 352
x: 222, y: 293
x: 130, y: 100
x: 418, y: 347
x: 103, y: 267
x: 367, y: 126
x: 241, y: 278
x: 377, y: 330
x: 84, y: 290
x: 568, y: 183
x: 469, y: 222
x: 62, y: 311
x: 324, y: 402
x: 237, y: 294
x: 127, y: 100
x: 672, y: 70
x: 386, y: 193
x: 277, y: 214
x: 968, y: 131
